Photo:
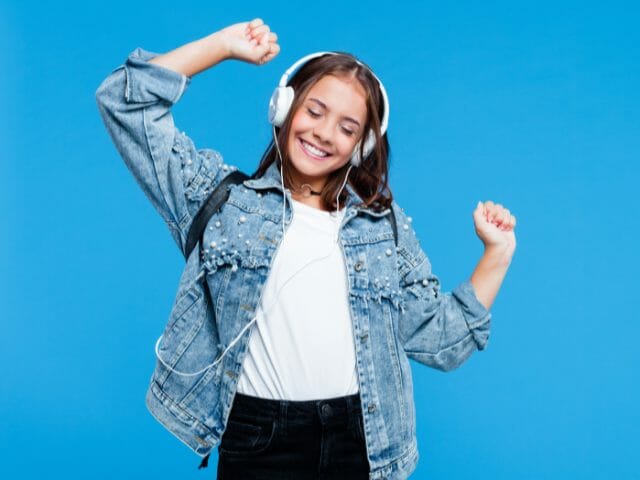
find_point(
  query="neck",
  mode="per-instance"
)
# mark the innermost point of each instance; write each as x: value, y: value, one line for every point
x: 307, y: 186
x: 313, y: 201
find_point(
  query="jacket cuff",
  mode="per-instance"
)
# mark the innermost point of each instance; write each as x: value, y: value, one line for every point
x: 475, y: 313
x: 148, y: 82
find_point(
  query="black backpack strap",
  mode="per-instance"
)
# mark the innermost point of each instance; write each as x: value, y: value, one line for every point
x: 210, y: 206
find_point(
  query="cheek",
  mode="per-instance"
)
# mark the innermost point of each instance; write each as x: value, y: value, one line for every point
x: 347, y: 146
x: 300, y: 122
x: 290, y: 145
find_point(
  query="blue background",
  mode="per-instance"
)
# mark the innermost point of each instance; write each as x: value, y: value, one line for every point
x: 533, y: 105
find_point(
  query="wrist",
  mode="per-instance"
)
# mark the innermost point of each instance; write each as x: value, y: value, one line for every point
x: 499, y: 253
x: 217, y: 46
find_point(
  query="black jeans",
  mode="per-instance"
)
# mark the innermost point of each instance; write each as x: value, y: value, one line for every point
x: 281, y: 439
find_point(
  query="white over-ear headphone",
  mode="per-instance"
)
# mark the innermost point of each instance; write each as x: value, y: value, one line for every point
x: 282, y: 99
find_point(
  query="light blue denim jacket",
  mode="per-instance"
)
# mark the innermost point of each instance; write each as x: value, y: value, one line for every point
x: 397, y: 309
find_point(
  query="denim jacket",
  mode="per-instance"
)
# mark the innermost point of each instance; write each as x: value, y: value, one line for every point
x: 398, y: 311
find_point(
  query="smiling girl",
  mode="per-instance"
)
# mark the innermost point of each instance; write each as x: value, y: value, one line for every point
x: 319, y: 290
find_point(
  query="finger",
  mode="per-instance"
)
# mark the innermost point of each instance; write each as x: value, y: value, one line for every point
x: 259, y: 37
x: 251, y: 25
x: 274, y: 49
x: 264, y: 39
x: 497, y: 213
x: 251, y: 35
x: 256, y: 22
x: 506, y: 222
x: 259, y: 31
x: 488, y: 209
x: 508, y: 217
x: 481, y: 211
x: 272, y: 37
x: 478, y: 213
x: 491, y: 214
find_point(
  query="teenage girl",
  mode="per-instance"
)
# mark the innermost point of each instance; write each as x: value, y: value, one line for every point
x: 299, y: 375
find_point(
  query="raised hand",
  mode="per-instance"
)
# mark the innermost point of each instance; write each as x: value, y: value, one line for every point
x: 495, y: 225
x: 251, y: 42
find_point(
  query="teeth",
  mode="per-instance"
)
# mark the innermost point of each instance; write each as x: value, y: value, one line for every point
x: 314, y: 150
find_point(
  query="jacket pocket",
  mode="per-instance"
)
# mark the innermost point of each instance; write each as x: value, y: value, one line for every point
x: 187, y: 319
x: 180, y: 309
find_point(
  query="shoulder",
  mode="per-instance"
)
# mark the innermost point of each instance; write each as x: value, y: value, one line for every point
x: 409, y: 248
x: 404, y: 221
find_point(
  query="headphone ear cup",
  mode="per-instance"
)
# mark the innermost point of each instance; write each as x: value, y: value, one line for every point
x: 355, y: 156
x: 279, y: 105
x: 369, y: 145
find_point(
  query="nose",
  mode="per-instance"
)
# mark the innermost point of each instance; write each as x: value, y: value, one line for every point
x: 322, y: 132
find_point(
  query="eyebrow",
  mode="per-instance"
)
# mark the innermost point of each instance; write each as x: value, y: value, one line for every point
x: 324, y: 106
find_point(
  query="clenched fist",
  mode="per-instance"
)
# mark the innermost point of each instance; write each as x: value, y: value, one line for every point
x: 495, y: 225
x: 251, y: 42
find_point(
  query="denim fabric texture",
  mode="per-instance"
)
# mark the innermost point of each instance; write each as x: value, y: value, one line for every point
x: 397, y: 309
x: 270, y: 439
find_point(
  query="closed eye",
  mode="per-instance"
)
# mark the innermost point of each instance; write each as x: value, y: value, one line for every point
x: 316, y: 115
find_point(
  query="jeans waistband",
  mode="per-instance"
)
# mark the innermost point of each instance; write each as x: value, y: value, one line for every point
x: 327, y: 410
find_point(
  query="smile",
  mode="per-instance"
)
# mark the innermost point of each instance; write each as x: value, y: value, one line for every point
x: 312, y: 151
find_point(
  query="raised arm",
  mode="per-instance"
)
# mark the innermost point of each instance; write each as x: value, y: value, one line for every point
x: 135, y: 101
x: 251, y: 42
x: 439, y: 329
x: 442, y: 329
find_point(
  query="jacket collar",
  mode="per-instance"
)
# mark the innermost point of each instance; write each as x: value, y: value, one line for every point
x: 271, y: 179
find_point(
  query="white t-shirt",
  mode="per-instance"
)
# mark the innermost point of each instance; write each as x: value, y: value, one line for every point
x: 302, y: 346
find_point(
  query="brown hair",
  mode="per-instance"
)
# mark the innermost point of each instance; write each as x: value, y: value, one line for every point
x: 370, y: 178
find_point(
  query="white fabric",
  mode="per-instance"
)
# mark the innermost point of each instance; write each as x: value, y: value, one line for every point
x: 303, y: 349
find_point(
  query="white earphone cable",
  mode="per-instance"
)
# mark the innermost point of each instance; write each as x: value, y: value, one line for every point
x: 334, y: 243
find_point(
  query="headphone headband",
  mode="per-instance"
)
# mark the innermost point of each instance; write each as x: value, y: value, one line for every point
x: 299, y: 63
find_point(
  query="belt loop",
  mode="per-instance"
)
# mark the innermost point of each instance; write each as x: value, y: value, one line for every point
x: 282, y: 417
x: 351, y: 404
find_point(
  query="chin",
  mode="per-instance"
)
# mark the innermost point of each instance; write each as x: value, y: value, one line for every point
x: 309, y: 169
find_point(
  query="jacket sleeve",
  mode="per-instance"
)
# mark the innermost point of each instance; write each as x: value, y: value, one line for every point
x: 438, y: 329
x: 134, y: 102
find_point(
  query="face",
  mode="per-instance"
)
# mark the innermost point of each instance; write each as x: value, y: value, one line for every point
x: 325, y: 129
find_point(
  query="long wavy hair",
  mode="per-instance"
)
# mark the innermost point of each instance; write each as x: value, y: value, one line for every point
x: 370, y: 178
